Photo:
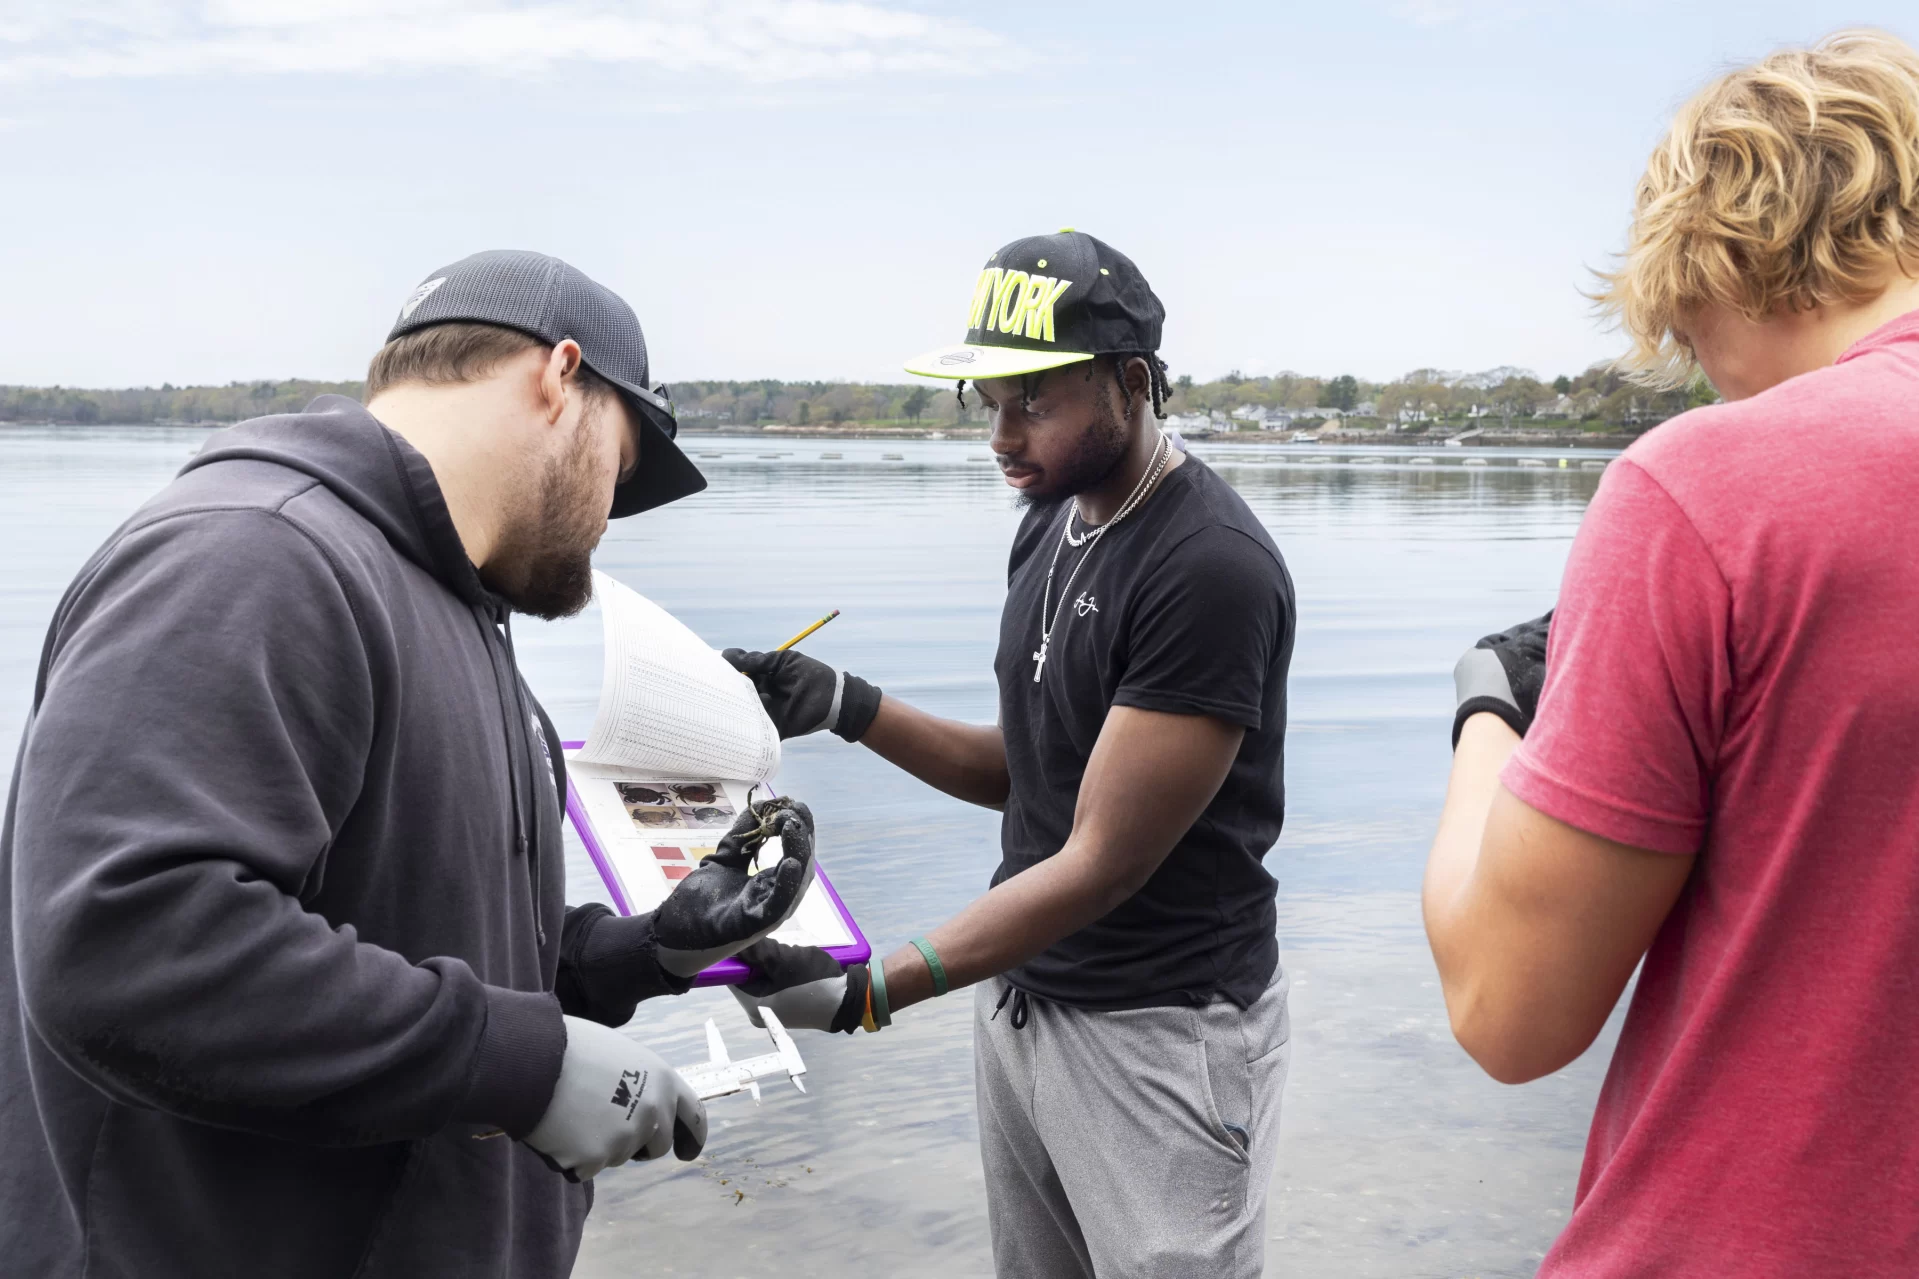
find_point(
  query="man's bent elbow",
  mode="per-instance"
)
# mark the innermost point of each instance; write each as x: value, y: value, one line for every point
x: 68, y: 1016
x: 72, y: 973
x: 1513, y: 1049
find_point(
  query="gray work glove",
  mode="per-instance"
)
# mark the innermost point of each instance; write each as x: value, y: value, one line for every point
x: 615, y: 1101
x: 1503, y: 674
x: 804, y: 695
x: 722, y: 907
x: 804, y: 986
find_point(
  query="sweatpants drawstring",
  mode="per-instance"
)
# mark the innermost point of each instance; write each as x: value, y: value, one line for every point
x: 1022, y: 1010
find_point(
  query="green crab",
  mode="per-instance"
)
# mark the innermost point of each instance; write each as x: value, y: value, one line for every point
x: 765, y: 810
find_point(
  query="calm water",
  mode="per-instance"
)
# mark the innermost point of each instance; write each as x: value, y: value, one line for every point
x: 1398, y: 1158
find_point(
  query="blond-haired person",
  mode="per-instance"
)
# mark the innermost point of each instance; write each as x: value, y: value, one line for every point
x: 1719, y: 775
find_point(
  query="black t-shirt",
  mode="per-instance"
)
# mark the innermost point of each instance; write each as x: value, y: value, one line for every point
x: 1185, y: 607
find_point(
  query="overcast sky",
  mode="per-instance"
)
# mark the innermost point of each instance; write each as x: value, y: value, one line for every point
x: 199, y: 192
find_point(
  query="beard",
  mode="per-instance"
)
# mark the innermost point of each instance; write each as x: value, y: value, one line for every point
x: 545, y: 567
x: 1101, y: 448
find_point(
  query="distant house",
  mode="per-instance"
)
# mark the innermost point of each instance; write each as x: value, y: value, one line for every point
x: 1249, y: 413
x: 1280, y: 419
x: 1562, y: 407
x: 1414, y: 415
x: 1184, y: 422
x: 1366, y: 408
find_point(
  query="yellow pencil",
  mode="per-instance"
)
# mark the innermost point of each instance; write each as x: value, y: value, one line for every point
x: 808, y: 631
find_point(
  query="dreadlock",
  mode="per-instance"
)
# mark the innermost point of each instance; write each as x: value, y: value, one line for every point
x: 1117, y: 362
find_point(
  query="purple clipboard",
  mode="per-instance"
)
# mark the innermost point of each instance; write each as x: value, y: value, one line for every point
x: 727, y: 971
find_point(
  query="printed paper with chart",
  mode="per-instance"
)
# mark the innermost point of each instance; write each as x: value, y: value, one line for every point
x: 678, y: 744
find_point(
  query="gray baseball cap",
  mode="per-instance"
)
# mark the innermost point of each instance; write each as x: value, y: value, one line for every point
x: 547, y: 299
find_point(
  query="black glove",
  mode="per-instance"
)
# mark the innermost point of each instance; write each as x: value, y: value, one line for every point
x: 608, y: 964
x: 804, y: 695
x: 1503, y: 674
x: 804, y: 986
x: 722, y: 908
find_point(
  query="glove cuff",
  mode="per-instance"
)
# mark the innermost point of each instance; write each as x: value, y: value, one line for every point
x: 852, y: 1013
x: 609, y: 964
x: 859, y: 705
x: 1515, y: 719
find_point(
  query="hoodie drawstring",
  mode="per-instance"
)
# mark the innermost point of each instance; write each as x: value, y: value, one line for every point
x: 532, y: 766
x: 517, y: 714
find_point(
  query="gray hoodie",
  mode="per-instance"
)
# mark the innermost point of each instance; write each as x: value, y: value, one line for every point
x: 282, y: 870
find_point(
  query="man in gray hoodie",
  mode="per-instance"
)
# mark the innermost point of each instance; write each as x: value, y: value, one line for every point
x: 288, y: 987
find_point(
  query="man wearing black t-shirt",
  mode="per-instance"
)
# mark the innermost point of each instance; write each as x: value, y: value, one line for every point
x: 1131, y: 1041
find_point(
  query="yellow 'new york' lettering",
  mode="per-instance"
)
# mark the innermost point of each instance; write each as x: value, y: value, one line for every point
x: 1028, y: 297
x: 1011, y: 301
x: 1012, y: 287
x: 1039, y: 313
x: 982, y: 294
x: 1001, y: 287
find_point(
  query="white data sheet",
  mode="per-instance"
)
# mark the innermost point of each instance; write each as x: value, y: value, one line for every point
x: 670, y: 707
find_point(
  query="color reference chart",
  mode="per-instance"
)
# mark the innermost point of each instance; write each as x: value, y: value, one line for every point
x: 644, y: 836
x: 676, y: 863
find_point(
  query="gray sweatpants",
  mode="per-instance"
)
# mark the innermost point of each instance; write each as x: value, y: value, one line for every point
x: 1108, y: 1137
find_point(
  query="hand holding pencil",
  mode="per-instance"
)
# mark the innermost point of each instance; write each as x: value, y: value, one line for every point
x: 804, y: 695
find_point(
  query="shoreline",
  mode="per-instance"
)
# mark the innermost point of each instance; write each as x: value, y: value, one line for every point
x: 1341, y: 439
x: 1610, y: 440
x: 977, y: 434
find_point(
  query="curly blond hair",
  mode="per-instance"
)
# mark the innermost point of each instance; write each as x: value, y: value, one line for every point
x: 1792, y: 183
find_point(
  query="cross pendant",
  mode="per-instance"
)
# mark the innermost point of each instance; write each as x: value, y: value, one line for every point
x: 1040, y: 658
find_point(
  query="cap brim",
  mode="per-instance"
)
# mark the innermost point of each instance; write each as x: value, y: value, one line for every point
x: 664, y: 474
x: 972, y: 362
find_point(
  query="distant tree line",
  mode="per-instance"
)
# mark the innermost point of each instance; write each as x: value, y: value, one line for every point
x: 820, y: 403
x: 233, y: 402
x: 699, y: 403
x: 1596, y: 397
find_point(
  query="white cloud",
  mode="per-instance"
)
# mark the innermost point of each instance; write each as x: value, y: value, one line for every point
x: 756, y: 40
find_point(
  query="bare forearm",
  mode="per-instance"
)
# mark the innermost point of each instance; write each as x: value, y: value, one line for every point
x: 1014, y: 922
x: 1535, y: 926
x: 966, y: 761
x: 1150, y: 776
x: 1485, y: 744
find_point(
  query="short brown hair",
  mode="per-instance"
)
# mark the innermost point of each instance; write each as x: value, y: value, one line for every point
x: 1791, y: 183
x: 459, y: 351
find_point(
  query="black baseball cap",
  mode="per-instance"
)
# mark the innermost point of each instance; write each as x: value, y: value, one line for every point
x: 1046, y: 301
x: 545, y: 298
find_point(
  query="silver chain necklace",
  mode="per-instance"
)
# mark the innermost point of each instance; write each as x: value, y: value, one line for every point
x: 1162, y: 453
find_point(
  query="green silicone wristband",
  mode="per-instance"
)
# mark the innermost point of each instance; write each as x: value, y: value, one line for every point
x: 876, y: 974
x: 932, y: 957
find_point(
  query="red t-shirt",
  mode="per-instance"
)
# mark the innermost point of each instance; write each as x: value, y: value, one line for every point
x: 1734, y: 671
